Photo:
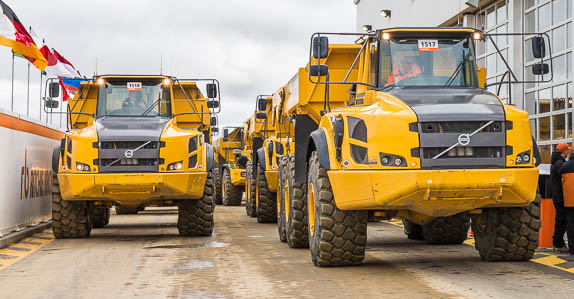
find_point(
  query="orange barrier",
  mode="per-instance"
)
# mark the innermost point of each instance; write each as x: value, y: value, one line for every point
x: 547, y: 215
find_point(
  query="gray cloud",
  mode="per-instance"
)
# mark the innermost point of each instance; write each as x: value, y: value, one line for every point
x: 251, y: 46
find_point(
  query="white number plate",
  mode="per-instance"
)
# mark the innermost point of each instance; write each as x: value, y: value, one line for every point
x: 428, y: 45
x: 134, y: 86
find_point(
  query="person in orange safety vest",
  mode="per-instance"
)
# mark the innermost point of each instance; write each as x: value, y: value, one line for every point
x: 406, y: 69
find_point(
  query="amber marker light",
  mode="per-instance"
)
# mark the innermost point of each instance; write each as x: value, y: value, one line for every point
x: 166, y: 81
x: 386, y: 36
x: 100, y: 81
x: 477, y: 35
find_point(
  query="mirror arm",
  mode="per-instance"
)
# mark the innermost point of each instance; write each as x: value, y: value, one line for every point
x: 502, y: 57
x: 354, y: 62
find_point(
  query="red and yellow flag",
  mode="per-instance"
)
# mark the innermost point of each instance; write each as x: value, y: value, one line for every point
x: 14, y: 35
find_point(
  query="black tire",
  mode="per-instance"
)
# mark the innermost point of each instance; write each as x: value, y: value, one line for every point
x: 296, y: 226
x: 195, y: 217
x: 70, y: 219
x: 413, y: 231
x: 99, y: 216
x: 120, y: 210
x: 447, y: 230
x: 338, y: 237
x: 266, y: 201
x: 507, y: 234
x: 232, y: 194
x: 250, y: 191
x: 218, y: 191
x: 281, y: 221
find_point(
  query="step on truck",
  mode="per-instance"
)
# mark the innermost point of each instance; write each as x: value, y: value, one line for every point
x: 135, y: 141
x: 230, y: 166
x: 420, y: 137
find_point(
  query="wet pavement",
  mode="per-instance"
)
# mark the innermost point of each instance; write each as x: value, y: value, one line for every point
x: 142, y: 255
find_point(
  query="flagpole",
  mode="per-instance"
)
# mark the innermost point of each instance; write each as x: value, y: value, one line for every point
x: 41, y: 75
x: 28, y: 93
x: 12, y: 99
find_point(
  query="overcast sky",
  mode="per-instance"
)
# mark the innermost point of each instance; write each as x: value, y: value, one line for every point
x: 252, y: 46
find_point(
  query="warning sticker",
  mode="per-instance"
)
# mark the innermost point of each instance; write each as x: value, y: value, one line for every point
x: 134, y: 86
x: 428, y: 45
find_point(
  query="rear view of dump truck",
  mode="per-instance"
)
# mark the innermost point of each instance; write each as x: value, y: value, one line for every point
x: 230, y: 167
x: 407, y: 129
x: 135, y: 141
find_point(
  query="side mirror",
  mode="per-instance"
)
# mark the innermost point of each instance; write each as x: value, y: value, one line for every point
x: 212, y: 104
x: 213, y: 121
x: 214, y: 130
x: 261, y: 104
x: 54, y: 90
x: 319, y: 70
x: 261, y: 115
x: 320, y: 47
x: 211, y: 90
x: 540, y: 69
x: 538, y: 47
x: 225, y: 132
x: 52, y: 104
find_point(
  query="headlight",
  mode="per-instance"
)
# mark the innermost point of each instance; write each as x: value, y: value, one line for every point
x: 392, y: 160
x: 82, y: 167
x: 175, y: 166
x: 523, y: 158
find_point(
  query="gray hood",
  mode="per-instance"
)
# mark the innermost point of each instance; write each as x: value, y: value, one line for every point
x: 450, y: 104
x: 130, y: 128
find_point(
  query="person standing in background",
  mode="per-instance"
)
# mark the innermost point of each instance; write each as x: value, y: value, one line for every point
x: 560, y: 222
x: 567, y: 173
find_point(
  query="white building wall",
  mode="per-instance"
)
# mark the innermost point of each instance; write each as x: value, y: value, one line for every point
x: 407, y: 13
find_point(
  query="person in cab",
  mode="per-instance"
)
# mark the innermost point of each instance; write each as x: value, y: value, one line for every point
x: 407, y: 68
x: 134, y: 100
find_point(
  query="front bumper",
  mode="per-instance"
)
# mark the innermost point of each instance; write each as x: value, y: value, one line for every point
x: 132, y: 188
x: 434, y: 193
x: 237, y: 176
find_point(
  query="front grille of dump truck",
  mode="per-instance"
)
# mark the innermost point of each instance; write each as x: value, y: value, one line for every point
x: 486, y: 149
x: 113, y: 157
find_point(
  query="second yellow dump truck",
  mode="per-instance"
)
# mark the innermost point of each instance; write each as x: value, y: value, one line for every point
x: 135, y: 141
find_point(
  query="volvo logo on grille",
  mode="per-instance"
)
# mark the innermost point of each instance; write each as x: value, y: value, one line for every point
x: 130, y: 153
x: 464, y: 139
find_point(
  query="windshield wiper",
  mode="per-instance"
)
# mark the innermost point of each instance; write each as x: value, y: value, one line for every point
x: 389, y: 86
x: 456, y: 71
x: 148, y: 110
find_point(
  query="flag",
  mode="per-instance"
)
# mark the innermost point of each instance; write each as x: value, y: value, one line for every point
x: 70, y: 87
x: 55, y: 67
x: 14, y: 35
x: 65, y: 64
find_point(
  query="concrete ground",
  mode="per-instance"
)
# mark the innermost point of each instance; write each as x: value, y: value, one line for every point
x: 142, y: 255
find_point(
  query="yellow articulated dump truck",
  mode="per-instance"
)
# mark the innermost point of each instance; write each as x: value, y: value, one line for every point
x: 256, y: 130
x: 419, y: 137
x: 135, y: 141
x: 278, y: 132
x: 230, y: 167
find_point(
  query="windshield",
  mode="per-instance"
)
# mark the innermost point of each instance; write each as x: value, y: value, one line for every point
x: 427, y: 62
x: 134, y: 98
